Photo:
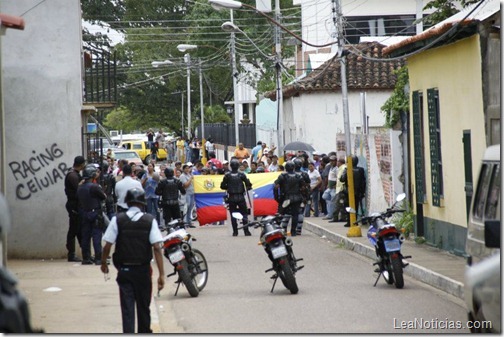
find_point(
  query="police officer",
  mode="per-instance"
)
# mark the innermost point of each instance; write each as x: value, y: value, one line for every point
x: 136, y: 235
x: 288, y: 188
x: 108, y: 185
x: 236, y: 184
x: 169, y: 189
x: 305, y: 192
x: 359, y: 181
x: 90, y: 195
x: 72, y: 180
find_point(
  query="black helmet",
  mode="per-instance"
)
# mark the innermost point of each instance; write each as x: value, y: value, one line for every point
x: 289, y: 166
x: 355, y: 160
x: 297, y: 163
x: 168, y: 172
x: 234, y: 164
x: 135, y: 196
x: 89, y: 172
x: 260, y: 169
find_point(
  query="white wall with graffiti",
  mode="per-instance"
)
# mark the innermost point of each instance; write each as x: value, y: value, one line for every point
x: 42, y: 95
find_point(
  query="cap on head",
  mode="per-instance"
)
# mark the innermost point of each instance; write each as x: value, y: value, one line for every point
x: 333, y: 157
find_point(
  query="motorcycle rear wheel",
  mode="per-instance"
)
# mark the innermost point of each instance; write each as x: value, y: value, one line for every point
x: 187, y: 279
x: 287, y: 276
x: 397, y: 269
x: 201, y: 270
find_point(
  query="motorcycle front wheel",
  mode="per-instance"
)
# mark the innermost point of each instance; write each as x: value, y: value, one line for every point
x: 200, y: 270
x: 397, y: 269
x: 287, y: 276
x: 187, y: 279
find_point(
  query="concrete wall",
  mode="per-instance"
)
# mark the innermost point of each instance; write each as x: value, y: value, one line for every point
x: 316, y: 118
x: 42, y: 99
x: 455, y: 70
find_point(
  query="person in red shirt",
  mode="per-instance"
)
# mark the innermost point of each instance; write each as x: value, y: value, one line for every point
x: 213, y: 161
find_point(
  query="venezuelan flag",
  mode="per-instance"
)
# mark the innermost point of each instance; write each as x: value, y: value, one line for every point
x: 209, y: 197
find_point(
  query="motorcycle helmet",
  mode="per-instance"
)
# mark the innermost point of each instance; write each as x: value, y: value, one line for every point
x: 135, y: 196
x: 355, y: 160
x: 89, y: 172
x: 168, y: 172
x: 297, y: 163
x: 260, y: 169
x: 289, y: 166
x: 235, y: 164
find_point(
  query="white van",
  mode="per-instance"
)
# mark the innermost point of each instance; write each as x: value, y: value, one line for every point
x: 483, y: 277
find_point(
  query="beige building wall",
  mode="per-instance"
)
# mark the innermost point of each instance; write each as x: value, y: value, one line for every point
x: 455, y: 70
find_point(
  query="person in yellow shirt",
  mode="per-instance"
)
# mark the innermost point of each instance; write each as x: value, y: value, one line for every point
x: 180, y: 149
x: 241, y: 153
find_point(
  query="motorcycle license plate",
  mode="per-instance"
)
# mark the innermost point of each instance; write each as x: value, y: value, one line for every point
x: 176, y: 256
x: 279, y: 251
x: 392, y: 245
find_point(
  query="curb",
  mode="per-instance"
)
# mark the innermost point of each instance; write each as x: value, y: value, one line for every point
x: 414, y: 270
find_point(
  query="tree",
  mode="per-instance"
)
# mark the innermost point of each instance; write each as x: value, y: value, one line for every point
x: 444, y: 9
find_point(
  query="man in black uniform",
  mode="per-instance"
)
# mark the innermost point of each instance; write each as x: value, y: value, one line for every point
x: 169, y: 189
x: 136, y: 235
x: 90, y: 195
x: 236, y: 184
x: 359, y: 180
x: 305, y: 192
x: 72, y: 180
x: 288, y: 187
x: 108, y: 185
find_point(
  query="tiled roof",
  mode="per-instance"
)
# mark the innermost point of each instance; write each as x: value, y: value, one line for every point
x: 361, y: 73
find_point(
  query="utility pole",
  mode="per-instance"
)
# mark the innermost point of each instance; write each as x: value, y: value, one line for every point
x: 235, y: 90
x: 279, y: 95
x: 203, y: 160
x: 353, y: 231
x: 187, y: 59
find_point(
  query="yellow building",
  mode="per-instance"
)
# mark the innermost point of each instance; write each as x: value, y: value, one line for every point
x: 454, y: 73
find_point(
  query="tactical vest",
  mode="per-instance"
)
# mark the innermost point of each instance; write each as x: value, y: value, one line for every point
x: 292, y: 186
x: 133, y: 246
x: 235, y: 183
x: 170, y: 191
x: 86, y: 201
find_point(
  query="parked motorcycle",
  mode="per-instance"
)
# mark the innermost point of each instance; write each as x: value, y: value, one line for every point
x: 189, y: 263
x: 387, y: 241
x: 279, y: 249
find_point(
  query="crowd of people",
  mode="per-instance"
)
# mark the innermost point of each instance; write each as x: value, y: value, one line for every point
x: 133, y: 198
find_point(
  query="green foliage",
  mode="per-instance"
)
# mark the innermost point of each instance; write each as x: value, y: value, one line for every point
x: 404, y: 221
x: 398, y: 101
x: 444, y: 9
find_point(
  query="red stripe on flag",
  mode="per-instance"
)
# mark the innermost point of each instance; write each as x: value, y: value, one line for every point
x: 211, y: 214
x: 265, y: 207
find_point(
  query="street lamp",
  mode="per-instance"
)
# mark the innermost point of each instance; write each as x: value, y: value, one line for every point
x: 187, y: 59
x: 156, y: 64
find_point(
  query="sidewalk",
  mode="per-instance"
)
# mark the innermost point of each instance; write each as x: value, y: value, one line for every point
x: 430, y: 265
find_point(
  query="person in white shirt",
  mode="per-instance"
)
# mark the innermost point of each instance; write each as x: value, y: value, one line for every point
x: 209, y: 147
x: 315, y: 182
x: 122, y: 187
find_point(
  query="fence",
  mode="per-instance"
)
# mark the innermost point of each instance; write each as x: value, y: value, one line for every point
x: 224, y: 134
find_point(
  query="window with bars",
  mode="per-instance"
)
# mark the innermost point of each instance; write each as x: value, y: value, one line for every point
x: 435, y: 146
x: 418, y: 144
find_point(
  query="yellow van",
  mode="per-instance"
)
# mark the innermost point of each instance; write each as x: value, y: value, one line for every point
x: 482, y: 289
x: 141, y: 147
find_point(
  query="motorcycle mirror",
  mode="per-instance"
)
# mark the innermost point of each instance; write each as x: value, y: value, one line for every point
x: 237, y: 215
x: 350, y: 210
x: 401, y: 197
x: 286, y: 203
